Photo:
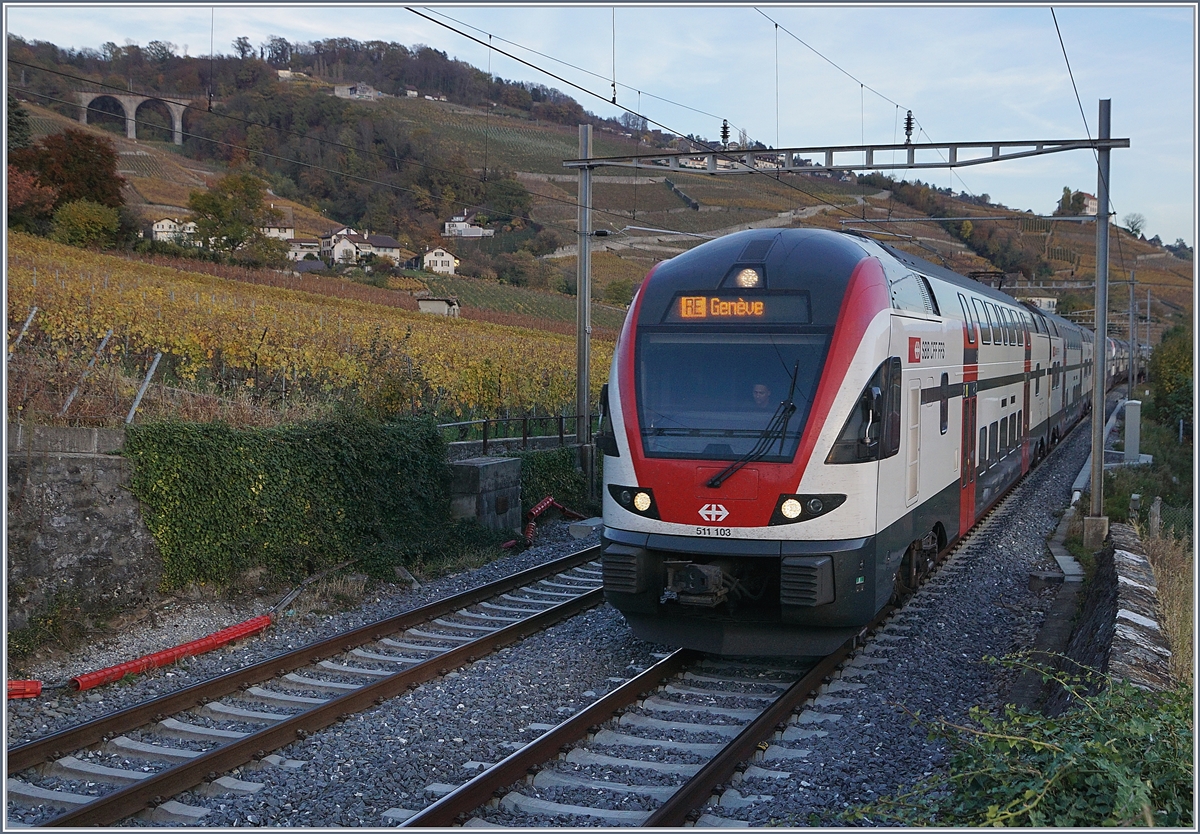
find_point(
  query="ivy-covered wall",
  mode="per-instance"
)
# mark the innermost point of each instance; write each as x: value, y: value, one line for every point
x: 220, y: 500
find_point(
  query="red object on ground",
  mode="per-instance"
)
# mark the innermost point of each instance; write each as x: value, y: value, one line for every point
x: 541, y: 507
x: 24, y: 689
x: 153, y: 661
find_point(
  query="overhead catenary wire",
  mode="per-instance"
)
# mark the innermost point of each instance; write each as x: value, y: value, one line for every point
x: 706, y: 147
x: 569, y: 64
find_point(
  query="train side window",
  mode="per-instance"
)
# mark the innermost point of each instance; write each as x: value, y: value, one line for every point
x: 1037, y: 380
x: 1020, y: 427
x: 1009, y: 334
x: 945, y: 403
x: 1054, y: 376
x: 982, y: 449
x: 994, y: 449
x: 1003, y: 436
x: 967, y: 318
x: 999, y: 332
x: 985, y: 323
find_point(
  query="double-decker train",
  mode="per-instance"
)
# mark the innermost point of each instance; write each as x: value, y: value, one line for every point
x: 798, y: 421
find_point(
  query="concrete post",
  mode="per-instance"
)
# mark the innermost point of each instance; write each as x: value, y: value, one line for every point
x: 1133, y: 431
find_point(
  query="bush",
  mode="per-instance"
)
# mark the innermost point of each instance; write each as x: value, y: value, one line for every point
x: 554, y: 472
x: 84, y: 223
x: 1123, y: 758
x: 294, y: 500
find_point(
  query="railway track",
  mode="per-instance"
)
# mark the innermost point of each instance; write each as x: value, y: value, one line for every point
x: 666, y: 748
x: 132, y: 761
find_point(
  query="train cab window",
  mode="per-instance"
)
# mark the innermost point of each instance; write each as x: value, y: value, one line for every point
x: 994, y: 449
x: 930, y: 298
x: 983, y: 449
x: 911, y: 293
x: 1054, y: 376
x: 945, y: 402
x: 872, y: 431
x: 967, y: 318
x: 985, y: 323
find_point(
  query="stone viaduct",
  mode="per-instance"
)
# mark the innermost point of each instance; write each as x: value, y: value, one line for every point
x: 130, y: 102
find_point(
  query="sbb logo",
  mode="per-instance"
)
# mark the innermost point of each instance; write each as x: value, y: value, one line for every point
x: 914, y: 349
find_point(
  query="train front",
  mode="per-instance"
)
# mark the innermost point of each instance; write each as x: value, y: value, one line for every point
x: 737, y: 427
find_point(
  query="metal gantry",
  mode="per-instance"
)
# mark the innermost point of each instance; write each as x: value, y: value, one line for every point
x: 866, y: 157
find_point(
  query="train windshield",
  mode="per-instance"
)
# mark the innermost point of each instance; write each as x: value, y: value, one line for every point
x: 713, y: 395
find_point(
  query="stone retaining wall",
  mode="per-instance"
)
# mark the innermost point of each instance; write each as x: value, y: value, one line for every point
x: 1117, y: 631
x: 75, y: 537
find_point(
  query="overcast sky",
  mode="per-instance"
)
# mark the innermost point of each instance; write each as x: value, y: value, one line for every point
x: 968, y: 73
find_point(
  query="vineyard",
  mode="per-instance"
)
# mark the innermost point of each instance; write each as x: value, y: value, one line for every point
x: 233, y: 339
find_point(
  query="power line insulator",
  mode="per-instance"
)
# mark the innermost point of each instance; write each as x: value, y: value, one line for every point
x: 725, y: 131
x: 908, y: 128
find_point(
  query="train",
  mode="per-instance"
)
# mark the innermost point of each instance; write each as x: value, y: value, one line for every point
x: 797, y: 422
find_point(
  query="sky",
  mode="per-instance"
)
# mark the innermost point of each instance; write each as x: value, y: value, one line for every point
x: 794, y: 75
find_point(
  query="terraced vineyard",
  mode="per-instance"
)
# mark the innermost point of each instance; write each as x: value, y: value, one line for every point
x: 489, y: 295
x: 212, y: 327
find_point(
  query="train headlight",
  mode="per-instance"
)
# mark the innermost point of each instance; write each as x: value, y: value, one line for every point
x: 748, y: 278
x: 792, y: 509
x: 638, y: 500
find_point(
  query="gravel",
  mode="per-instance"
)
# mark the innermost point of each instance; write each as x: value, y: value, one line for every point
x: 443, y: 731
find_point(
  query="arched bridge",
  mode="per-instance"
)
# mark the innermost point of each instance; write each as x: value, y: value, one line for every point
x: 130, y: 102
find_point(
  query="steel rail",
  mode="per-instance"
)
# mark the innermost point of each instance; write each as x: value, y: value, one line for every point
x: 472, y: 794
x: 35, y: 752
x: 123, y: 802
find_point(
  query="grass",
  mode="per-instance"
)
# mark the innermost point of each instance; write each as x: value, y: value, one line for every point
x: 1171, y: 557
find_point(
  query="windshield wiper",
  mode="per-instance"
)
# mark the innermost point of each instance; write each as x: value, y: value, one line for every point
x: 776, y: 428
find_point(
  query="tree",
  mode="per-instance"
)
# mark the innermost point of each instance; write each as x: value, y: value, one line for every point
x: 229, y: 217
x: 507, y: 198
x: 279, y: 51
x: 1135, y: 222
x: 243, y: 48
x: 18, y: 125
x: 160, y: 51
x: 85, y: 223
x: 77, y: 165
x: 29, y: 204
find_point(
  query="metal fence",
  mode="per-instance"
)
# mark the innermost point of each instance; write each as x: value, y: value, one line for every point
x: 564, y: 427
x: 1176, y: 521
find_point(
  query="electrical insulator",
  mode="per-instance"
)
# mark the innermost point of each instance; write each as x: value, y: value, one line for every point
x: 908, y: 128
x: 724, y: 131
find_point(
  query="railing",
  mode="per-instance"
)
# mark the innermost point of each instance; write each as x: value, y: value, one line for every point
x: 491, y: 430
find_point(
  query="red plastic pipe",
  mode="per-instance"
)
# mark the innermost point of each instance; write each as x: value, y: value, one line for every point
x: 24, y: 689
x: 153, y: 661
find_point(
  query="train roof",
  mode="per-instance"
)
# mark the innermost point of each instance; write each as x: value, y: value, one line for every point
x: 951, y: 277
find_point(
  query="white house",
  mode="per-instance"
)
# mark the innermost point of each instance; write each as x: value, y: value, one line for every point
x: 174, y: 230
x: 361, y: 91
x: 284, y: 226
x: 461, y: 226
x: 439, y: 260
x: 345, y: 245
x: 298, y: 247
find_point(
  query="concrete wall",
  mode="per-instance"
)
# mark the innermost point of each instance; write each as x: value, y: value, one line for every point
x: 74, y: 531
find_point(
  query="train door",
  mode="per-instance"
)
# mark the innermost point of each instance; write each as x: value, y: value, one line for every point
x: 912, y: 467
x: 970, y: 416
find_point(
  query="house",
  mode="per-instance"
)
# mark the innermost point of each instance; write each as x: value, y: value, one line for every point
x: 1091, y: 206
x: 439, y: 306
x: 1042, y: 302
x: 410, y: 92
x: 361, y: 91
x: 174, y: 230
x: 298, y: 247
x: 440, y: 261
x: 461, y: 226
x: 345, y: 245
x: 284, y: 226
